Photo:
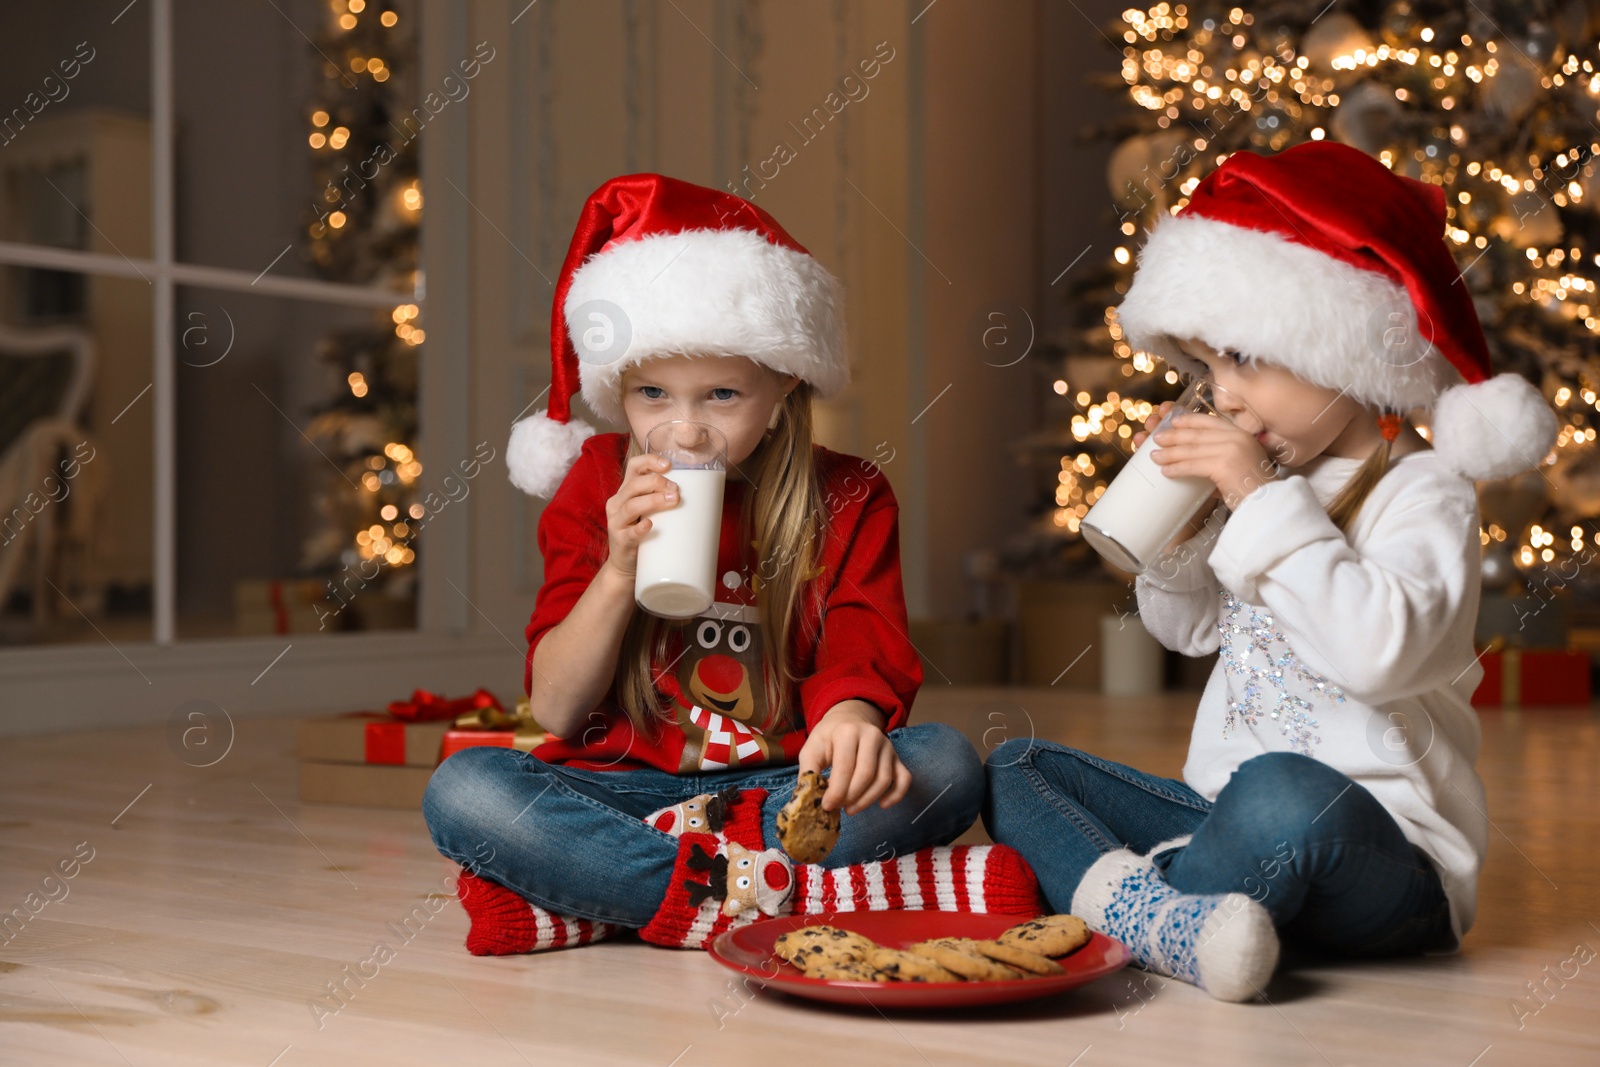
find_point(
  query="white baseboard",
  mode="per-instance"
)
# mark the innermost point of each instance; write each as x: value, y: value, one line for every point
x: 61, y: 690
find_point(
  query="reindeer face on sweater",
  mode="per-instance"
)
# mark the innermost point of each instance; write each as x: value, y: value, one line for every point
x: 721, y: 702
x: 721, y: 669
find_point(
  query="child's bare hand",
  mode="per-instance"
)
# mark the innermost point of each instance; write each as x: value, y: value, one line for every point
x: 865, y: 768
x: 1196, y: 524
x: 1231, y: 458
x: 645, y: 489
x: 1152, y: 422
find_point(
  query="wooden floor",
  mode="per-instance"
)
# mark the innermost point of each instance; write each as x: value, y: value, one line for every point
x: 216, y: 907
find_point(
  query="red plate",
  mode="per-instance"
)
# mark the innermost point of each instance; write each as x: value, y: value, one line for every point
x: 749, y: 949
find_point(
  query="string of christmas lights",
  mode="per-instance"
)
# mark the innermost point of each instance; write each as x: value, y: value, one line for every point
x: 1497, y: 102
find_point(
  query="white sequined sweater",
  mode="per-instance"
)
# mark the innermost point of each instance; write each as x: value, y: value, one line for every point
x: 1355, y: 650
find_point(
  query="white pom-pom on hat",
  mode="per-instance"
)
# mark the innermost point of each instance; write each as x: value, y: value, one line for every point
x: 1494, y: 429
x: 542, y: 450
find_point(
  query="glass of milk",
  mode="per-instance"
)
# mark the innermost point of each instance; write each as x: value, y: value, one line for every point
x: 677, y: 568
x: 1142, y: 510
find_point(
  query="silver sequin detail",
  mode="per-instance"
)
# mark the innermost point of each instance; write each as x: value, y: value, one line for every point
x: 1278, y: 668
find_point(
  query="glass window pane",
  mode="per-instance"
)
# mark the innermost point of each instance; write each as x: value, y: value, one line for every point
x: 76, y: 461
x: 74, y: 134
x: 298, y: 509
x: 76, y: 468
x: 280, y: 135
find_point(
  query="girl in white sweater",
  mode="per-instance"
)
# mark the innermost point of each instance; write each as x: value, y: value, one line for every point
x: 1329, y: 796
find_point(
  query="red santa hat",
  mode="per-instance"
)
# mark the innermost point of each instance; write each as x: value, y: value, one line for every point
x: 659, y: 266
x: 1323, y: 261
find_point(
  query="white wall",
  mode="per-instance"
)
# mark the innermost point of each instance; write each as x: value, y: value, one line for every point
x: 923, y: 195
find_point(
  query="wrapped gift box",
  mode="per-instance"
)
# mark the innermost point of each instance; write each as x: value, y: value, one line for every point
x: 290, y: 606
x: 371, y: 759
x: 370, y: 738
x: 495, y: 727
x: 1514, y: 677
x: 368, y: 760
x: 1059, y: 630
x: 456, y: 740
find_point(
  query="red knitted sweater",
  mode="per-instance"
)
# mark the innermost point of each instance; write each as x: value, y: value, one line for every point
x: 852, y: 642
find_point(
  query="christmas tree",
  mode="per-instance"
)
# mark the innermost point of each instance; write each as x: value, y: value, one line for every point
x: 363, y: 229
x: 1494, y: 101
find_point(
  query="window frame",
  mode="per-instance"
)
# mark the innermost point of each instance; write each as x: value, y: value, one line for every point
x: 166, y: 273
x: 455, y: 647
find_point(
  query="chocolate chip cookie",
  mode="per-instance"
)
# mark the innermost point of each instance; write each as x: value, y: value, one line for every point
x: 805, y: 830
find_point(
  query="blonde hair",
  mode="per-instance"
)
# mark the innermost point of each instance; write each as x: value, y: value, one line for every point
x: 1346, y: 504
x: 781, y: 516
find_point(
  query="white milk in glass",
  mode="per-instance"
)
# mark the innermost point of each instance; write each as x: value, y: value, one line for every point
x: 1142, y: 510
x: 677, y: 567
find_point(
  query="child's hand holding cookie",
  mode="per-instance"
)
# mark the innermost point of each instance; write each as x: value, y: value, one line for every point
x: 865, y: 768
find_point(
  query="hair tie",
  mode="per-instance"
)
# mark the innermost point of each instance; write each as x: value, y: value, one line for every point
x: 1389, y: 425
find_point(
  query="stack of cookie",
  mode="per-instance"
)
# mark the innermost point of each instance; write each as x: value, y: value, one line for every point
x: 1024, y: 951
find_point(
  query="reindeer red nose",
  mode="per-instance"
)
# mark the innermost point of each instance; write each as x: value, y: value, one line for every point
x: 720, y: 674
x: 777, y: 876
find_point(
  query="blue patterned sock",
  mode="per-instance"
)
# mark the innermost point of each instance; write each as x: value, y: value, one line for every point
x: 1223, y: 943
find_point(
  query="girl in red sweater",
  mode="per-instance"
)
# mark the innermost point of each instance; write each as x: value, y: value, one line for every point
x: 677, y: 742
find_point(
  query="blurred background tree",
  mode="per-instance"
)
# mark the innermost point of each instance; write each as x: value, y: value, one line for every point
x: 1495, y: 101
x: 364, y: 230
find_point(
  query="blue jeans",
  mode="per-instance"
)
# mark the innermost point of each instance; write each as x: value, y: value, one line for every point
x: 573, y: 841
x: 1314, y: 848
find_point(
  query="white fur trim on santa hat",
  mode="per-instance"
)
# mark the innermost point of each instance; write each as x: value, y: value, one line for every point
x: 541, y: 451
x: 1328, y: 322
x: 705, y: 292
x: 1493, y: 429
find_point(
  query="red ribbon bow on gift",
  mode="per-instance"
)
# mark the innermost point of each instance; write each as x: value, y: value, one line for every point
x: 429, y: 707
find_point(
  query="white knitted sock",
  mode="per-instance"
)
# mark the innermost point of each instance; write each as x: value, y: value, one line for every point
x: 1169, y: 845
x: 1224, y: 943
